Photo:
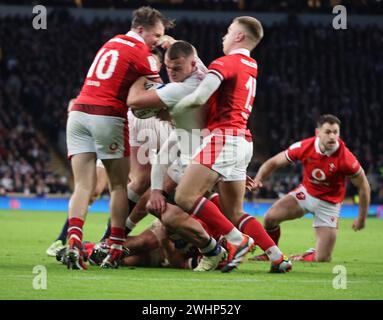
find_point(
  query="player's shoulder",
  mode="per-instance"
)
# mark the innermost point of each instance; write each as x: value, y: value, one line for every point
x: 170, y: 92
x: 130, y: 44
x: 344, y: 150
x: 247, y: 61
x: 303, y: 144
x: 222, y: 61
x: 170, y: 86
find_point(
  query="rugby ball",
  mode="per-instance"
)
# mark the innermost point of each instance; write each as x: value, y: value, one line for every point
x: 148, y: 112
x: 145, y: 113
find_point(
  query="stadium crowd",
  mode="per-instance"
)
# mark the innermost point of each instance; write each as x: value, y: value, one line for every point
x: 300, y: 6
x: 304, y: 71
x: 24, y: 156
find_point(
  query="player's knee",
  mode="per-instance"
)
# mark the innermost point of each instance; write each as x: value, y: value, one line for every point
x: 270, y: 222
x: 184, y: 201
x: 85, y: 190
x: 140, y: 184
x: 169, y: 221
x: 118, y: 188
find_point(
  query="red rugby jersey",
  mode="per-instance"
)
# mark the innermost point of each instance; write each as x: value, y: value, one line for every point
x: 324, y: 175
x: 117, y: 65
x: 230, y: 106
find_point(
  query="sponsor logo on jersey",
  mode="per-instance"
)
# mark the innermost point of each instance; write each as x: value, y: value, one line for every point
x: 318, y: 175
x: 152, y: 63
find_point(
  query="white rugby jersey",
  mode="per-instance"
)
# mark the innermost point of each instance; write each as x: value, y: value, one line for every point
x: 170, y: 94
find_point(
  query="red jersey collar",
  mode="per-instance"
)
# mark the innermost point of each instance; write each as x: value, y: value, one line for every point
x: 136, y: 36
x: 327, y: 152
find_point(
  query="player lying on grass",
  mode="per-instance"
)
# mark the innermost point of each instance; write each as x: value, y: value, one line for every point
x: 327, y: 162
x: 154, y: 247
x: 166, y: 177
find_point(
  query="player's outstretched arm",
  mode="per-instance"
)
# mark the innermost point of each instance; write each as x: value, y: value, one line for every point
x: 360, y: 181
x: 199, y: 96
x: 140, y: 95
x: 166, y: 156
x: 272, y: 164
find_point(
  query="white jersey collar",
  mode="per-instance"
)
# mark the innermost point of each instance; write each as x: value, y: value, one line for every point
x: 243, y: 51
x: 327, y: 152
x: 136, y: 36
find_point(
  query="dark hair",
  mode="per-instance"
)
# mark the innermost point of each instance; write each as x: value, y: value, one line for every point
x: 180, y: 49
x: 327, y: 118
x: 158, y: 53
x: 147, y: 17
x: 253, y: 27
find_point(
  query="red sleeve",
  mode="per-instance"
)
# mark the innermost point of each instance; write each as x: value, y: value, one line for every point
x: 148, y: 67
x: 221, y: 67
x: 350, y: 165
x: 294, y: 152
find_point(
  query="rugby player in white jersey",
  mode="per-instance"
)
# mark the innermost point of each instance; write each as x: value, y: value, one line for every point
x: 186, y: 72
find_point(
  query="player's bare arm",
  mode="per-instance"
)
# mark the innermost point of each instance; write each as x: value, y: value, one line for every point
x: 272, y: 164
x: 139, y: 97
x: 166, y: 41
x: 360, y: 181
x: 157, y: 202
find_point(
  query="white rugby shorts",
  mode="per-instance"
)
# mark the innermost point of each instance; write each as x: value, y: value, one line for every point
x: 151, y: 132
x: 326, y: 214
x: 107, y: 136
x: 228, y: 155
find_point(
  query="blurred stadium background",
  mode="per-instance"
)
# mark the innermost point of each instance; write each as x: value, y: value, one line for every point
x: 306, y: 68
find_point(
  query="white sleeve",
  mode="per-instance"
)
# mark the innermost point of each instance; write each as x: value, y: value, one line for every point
x: 200, y: 65
x: 200, y: 95
x: 171, y: 93
x: 167, y: 154
x: 157, y: 176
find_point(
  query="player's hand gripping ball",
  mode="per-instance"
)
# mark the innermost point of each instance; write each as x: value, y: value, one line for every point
x: 148, y: 112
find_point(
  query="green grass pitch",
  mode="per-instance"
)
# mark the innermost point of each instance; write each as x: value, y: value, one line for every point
x: 24, y: 237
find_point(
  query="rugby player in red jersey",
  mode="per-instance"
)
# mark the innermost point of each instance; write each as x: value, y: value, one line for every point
x: 97, y: 127
x: 327, y: 162
x: 229, y: 91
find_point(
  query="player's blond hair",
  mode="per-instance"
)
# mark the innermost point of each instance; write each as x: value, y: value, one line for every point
x: 253, y: 28
x: 146, y: 16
